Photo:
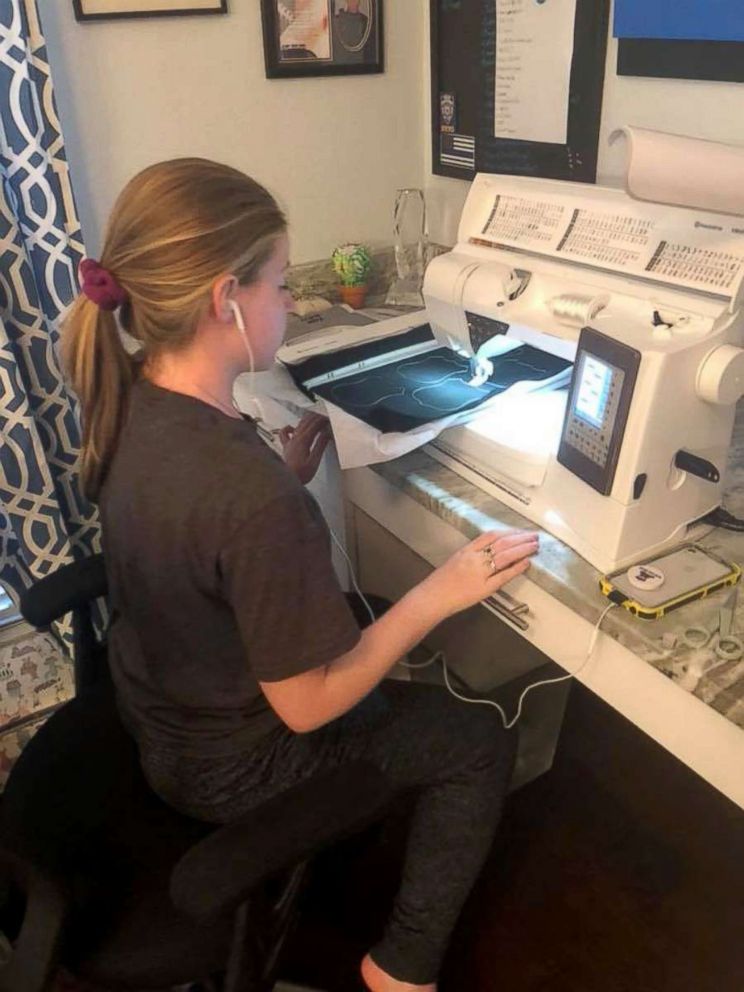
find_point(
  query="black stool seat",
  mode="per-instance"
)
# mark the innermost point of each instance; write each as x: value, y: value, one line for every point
x: 101, y: 876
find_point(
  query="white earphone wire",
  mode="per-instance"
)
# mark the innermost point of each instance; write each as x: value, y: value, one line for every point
x: 440, y: 656
x: 240, y: 324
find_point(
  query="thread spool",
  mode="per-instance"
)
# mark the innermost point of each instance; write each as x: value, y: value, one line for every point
x: 577, y: 309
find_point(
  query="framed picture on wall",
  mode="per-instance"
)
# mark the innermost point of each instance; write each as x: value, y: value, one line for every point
x: 98, y: 10
x: 322, y: 37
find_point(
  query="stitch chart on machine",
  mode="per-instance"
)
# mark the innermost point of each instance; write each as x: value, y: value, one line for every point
x: 414, y: 391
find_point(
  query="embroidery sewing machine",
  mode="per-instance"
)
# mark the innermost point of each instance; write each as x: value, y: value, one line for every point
x: 645, y: 299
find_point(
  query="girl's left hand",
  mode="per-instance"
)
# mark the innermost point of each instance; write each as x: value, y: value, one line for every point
x: 303, y: 445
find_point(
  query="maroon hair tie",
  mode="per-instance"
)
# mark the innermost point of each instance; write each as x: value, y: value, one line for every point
x: 100, y: 286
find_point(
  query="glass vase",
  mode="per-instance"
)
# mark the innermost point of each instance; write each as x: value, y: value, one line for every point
x: 410, y: 240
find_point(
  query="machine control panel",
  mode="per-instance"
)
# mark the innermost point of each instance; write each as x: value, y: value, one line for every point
x: 597, y: 410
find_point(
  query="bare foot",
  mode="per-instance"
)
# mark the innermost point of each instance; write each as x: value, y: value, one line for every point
x: 378, y: 980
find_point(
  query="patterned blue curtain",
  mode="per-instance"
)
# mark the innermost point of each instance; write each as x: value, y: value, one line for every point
x: 44, y: 521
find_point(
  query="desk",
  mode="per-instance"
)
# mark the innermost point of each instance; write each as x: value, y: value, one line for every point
x: 624, y: 865
x: 701, y: 721
x: 698, y: 718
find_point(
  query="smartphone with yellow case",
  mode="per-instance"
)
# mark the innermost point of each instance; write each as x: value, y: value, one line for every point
x: 652, y: 588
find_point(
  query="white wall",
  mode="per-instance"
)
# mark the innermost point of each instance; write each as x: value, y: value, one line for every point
x: 333, y: 150
x: 680, y: 106
x: 132, y: 92
x: 700, y: 109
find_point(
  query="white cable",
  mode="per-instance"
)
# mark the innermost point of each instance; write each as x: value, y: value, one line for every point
x: 439, y: 655
x: 508, y: 724
x: 359, y: 592
x: 405, y: 664
x: 240, y: 324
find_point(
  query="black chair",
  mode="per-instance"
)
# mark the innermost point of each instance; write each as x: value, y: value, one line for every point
x: 98, y: 876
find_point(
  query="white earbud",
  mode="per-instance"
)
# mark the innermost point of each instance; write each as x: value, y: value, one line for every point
x: 240, y: 324
x: 237, y: 314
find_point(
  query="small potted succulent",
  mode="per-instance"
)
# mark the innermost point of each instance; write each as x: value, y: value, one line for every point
x: 352, y: 264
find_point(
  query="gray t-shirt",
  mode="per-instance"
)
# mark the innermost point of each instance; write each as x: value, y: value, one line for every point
x: 220, y: 576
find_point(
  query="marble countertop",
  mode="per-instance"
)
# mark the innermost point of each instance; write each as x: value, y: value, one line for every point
x: 562, y: 573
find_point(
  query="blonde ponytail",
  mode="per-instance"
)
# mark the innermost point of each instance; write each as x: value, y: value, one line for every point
x: 175, y: 228
x: 101, y: 373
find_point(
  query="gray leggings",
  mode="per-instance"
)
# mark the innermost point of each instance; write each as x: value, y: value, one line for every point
x: 456, y: 758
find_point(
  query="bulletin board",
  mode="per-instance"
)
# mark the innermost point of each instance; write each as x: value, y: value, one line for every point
x: 463, y: 73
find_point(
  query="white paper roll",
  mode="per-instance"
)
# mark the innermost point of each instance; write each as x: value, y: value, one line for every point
x: 688, y: 172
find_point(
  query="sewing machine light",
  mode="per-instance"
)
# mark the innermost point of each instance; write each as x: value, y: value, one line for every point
x: 539, y: 422
x: 553, y: 519
x: 539, y: 416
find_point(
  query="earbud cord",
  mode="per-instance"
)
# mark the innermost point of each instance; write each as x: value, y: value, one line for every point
x: 439, y: 656
x: 231, y: 411
x: 240, y: 324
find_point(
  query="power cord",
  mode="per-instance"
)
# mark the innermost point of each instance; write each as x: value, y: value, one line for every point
x: 508, y: 724
x: 722, y: 518
x: 439, y: 656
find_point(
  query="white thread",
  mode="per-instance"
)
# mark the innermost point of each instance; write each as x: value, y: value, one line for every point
x: 577, y: 309
x: 458, y: 377
x: 411, y: 364
x: 337, y: 390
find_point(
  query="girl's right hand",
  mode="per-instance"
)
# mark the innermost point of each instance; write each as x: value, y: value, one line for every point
x: 480, y: 568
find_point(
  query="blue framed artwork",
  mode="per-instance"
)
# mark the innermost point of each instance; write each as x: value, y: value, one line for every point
x: 681, y: 39
x: 680, y: 20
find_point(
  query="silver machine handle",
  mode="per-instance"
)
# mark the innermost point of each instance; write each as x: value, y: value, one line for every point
x: 503, y: 605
